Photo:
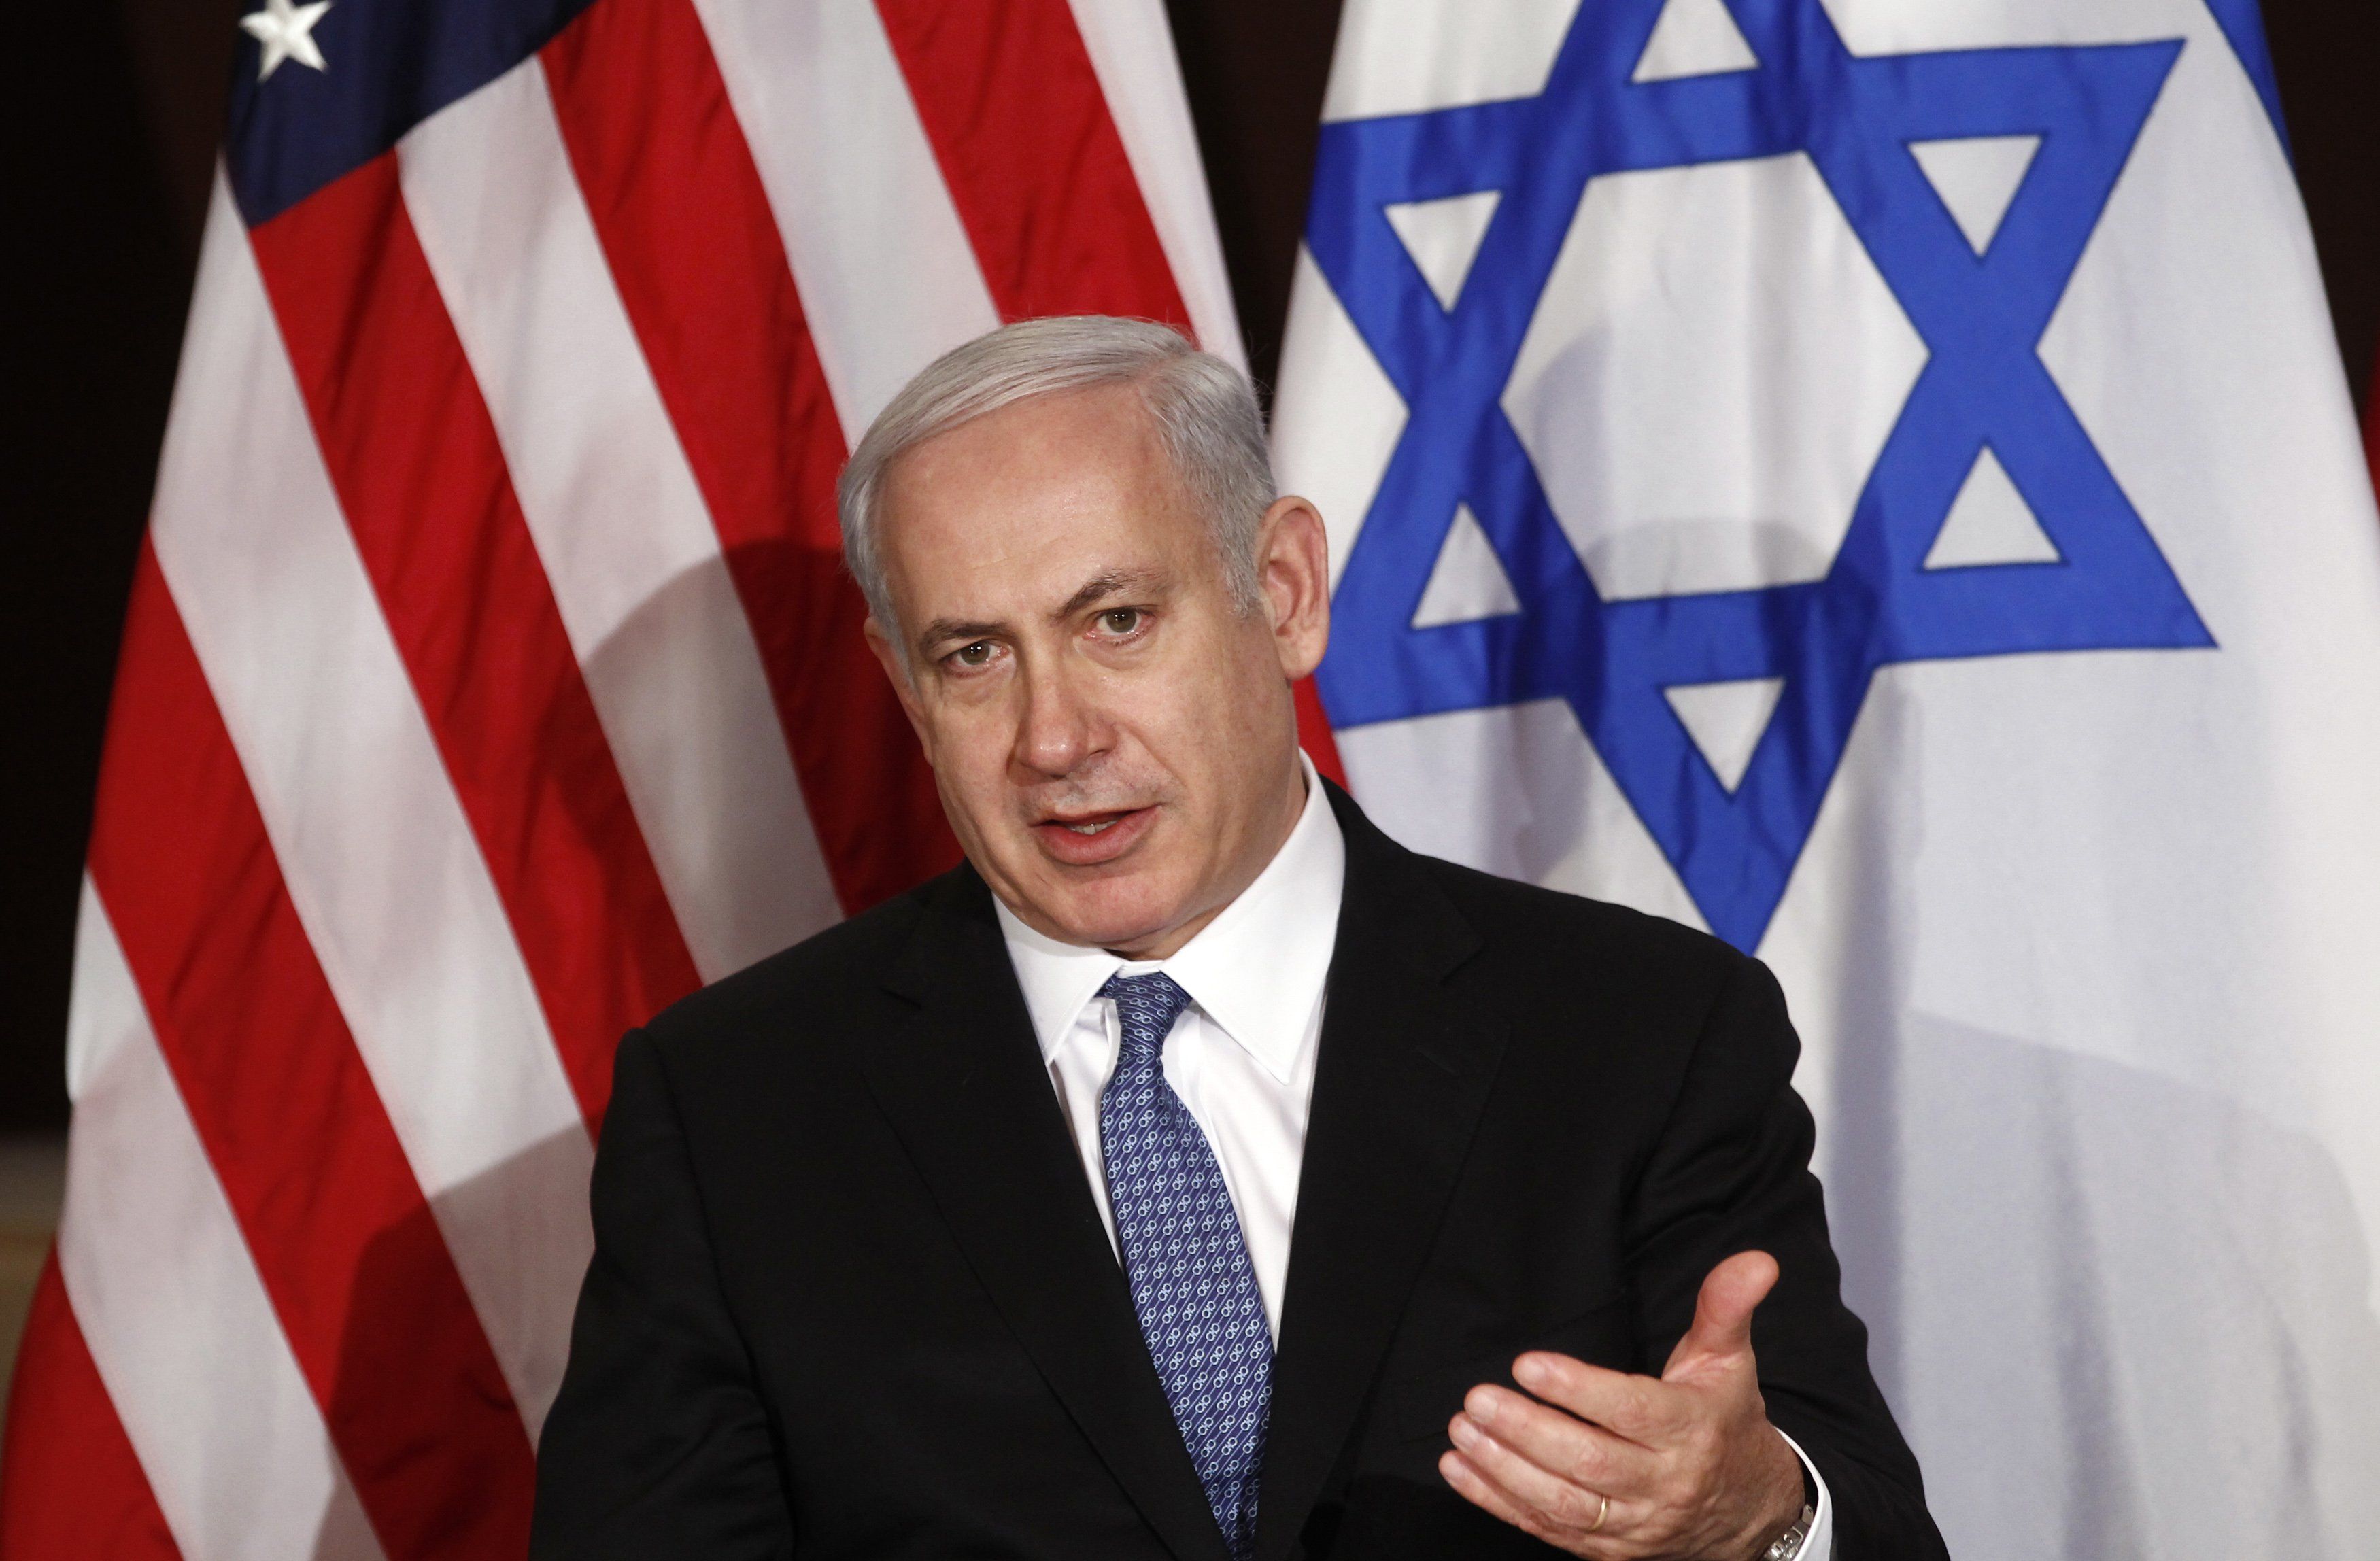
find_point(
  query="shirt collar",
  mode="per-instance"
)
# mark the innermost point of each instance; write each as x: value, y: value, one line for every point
x: 1257, y: 970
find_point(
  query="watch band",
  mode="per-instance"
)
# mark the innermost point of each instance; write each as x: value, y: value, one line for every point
x: 1789, y: 1543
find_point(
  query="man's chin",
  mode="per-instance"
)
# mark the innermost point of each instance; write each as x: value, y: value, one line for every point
x: 1122, y: 913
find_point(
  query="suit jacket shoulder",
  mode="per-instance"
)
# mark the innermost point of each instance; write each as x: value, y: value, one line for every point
x: 805, y: 996
x: 1538, y: 941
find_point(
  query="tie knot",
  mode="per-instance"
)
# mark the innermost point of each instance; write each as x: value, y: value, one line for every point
x: 1147, y: 1007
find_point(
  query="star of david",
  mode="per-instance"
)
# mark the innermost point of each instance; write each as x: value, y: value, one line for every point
x: 1981, y: 317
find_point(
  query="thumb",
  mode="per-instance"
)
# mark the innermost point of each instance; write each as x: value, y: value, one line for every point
x: 1722, y: 1326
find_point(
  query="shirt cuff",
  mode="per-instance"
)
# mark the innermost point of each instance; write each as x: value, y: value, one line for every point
x: 1820, y: 1545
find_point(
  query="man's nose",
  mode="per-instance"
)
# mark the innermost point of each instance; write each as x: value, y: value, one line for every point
x: 1057, y: 729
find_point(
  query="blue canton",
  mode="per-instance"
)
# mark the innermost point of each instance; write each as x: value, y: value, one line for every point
x: 1192, y: 1283
x: 1983, y: 384
x: 391, y: 64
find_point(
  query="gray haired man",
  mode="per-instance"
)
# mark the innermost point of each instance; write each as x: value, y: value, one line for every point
x: 1193, y: 1171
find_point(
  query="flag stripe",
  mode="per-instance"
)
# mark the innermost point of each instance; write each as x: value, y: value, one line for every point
x: 636, y: 563
x: 179, y: 1322
x: 2372, y: 426
x: 492, y: 679
x: 350, y: 1252
x: 1012, y: 108
x: 686, y: 226
x: 1130, y: 47
x: 886, y: 274
x: 1314, y: 732
x: 1020, y: 123
x: 71, y: 1486
x: 379, y: 859
x: 415, y: 462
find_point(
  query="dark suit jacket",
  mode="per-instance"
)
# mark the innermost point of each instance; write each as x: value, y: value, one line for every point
x: 851, y: 1296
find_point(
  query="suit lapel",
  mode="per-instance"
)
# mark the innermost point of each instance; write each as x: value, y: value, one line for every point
x: 964, y: 1086
x: 1404, y: 1069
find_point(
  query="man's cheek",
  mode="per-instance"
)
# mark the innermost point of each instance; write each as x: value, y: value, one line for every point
x: 974, y: 730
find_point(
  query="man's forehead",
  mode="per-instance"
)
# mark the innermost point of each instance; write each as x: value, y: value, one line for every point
x: 1044, y: 554
x: 987, y: 507
x: 1092, y: 432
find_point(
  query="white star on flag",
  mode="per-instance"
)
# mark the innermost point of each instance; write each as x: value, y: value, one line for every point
x: 287, y: 33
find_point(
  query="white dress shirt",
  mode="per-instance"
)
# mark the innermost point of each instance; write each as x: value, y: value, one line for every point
x: 1242, y: 1055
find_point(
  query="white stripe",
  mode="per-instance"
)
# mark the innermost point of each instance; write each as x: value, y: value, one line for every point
x: 379, y: 858
x: 1131, y: 46
x: 1337, y: 420
x: 171, y: 1304
x: 886, y: 274
x: 1409, y: 56
x: 627, y: 541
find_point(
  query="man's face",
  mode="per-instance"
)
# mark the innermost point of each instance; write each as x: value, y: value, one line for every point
x: 1114, y: 738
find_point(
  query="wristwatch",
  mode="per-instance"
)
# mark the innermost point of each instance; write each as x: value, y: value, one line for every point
x: 1789, y: 1543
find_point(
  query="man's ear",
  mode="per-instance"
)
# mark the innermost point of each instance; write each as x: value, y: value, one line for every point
x: 888, y: 656
x: 1294, y: 574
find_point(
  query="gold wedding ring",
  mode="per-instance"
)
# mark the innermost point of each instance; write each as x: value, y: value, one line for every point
x: 1600, y: 1514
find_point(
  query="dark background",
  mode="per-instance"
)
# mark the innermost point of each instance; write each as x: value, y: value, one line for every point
x: 111, y: 121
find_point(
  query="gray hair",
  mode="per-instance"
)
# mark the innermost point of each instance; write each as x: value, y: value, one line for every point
x: 1206, y: 413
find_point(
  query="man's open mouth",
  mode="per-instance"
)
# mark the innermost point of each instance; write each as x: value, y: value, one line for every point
x: 1092, y: 823
x: 1089, y: 839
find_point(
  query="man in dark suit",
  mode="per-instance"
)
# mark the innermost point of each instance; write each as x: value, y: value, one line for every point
x: 1195, y: 1172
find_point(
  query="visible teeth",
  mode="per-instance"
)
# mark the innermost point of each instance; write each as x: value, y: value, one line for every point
x: 1090, y: 828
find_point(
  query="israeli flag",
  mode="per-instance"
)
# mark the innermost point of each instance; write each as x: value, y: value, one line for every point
x: 1873, y: 479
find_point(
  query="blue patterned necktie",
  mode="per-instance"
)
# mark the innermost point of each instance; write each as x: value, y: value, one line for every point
x: 1192, y: 1283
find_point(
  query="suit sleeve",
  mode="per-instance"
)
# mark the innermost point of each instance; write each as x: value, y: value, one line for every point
x: 658, y: 1443
x: 1730, y: 1172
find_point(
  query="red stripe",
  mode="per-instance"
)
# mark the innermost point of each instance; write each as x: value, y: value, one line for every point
x: 413, y: 456
x: 1020, y: 125
x: 70, y: 1485
x: 1021, y: 128
x: 2372, y: 426
x: 687, y: 229
x: 357, y: 1272
x: 1314, y: 733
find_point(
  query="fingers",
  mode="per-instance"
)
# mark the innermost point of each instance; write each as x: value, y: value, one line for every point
x: 1685, y: 1465
x: 1481, y: 1492
x: 1637, y: 1408
x: 1722, y: 1325
x: 1560, y: 1514
x: 1563, y: 1447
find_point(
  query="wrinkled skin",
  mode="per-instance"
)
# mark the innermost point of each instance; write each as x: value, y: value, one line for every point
x: 1114, y: 738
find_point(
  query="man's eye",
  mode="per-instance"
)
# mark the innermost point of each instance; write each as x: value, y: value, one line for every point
x: 1119, y: 620
x: 976, y: 654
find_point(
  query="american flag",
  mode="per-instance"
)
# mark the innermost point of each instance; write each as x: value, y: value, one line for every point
x: 492, y: 680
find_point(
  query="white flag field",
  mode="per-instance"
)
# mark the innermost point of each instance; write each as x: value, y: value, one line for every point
x: 1874, y: 478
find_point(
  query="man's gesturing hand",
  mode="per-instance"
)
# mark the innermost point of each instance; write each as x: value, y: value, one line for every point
x: 1691, y: 1465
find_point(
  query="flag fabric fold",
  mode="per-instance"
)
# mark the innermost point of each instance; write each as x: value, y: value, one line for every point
x: 492, y: 680
x: 1874, y: 480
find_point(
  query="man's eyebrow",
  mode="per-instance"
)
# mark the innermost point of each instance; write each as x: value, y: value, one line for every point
x: 942, y: 631
x: 1114, y: 582
x: 1098, y: 588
